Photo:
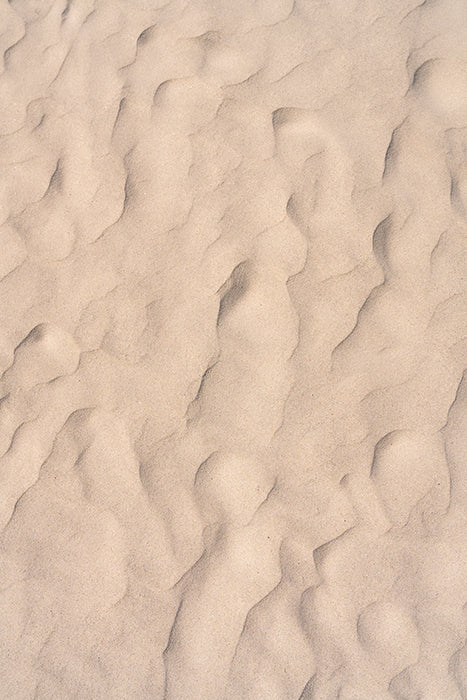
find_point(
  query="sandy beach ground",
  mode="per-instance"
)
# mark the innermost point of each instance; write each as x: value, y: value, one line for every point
x: 233, y: 408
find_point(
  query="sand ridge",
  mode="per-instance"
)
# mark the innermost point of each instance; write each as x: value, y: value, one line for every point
x: 233, y: 400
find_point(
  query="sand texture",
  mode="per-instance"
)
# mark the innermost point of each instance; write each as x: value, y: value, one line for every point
x: 233, y: 408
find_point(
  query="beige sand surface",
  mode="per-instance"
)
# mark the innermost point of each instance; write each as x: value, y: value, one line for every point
x: 233, y: 414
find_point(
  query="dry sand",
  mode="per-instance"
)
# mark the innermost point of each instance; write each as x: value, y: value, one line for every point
x: 233, y: 416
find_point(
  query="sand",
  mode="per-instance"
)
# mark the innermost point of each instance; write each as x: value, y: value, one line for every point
x: 233, y: 408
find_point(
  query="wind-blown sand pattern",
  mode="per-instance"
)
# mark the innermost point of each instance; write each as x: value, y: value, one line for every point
x: 233, y: 414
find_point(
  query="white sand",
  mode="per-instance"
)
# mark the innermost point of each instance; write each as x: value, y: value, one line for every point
x: 233, y: 418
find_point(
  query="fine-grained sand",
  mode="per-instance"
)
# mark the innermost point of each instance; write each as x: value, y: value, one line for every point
x: 233, y: 414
